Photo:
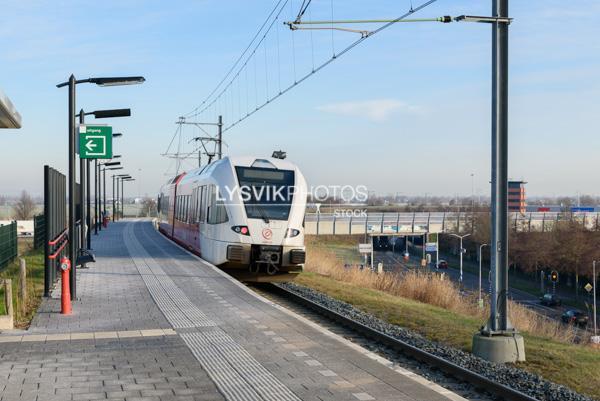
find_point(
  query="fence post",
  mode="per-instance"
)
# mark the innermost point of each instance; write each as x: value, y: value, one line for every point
x: 334, y: 224
x: 23, y: 284
x: 8, y: 301
x: 318, y: 220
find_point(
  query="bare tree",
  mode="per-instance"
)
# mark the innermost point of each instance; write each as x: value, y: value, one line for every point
x: 148, y: 207
x: 24, y: 208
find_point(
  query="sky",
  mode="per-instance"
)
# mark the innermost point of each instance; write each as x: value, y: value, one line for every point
x: 406, y: 111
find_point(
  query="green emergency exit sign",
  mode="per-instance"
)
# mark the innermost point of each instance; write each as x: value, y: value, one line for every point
x: 95, y: 142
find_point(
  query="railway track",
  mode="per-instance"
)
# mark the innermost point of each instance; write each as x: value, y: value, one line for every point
x: 466, y: 383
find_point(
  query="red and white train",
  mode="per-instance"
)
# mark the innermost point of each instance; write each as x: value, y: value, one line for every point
x: 243, y: 214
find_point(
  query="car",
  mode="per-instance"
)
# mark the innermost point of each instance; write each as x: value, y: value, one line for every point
x: 442, y: 264
x: 550, y: 300
x: 575, y: 317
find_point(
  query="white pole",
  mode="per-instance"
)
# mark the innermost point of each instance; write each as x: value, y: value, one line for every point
x: 372, y: 255
x: 437, y: 250
x: 480, y: 261
x: 461, y: 262
x: 594, y: 278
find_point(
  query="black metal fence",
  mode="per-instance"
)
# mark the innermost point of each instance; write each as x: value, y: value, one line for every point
x: 55, y: 224
x: 39, y: 231
x: 8, y: 244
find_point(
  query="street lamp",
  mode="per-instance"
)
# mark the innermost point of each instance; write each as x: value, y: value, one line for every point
x: 84, y: 174
x: 595, y: 339
x: 123, y: 194
x: 480, y: 300
x: 71, y: 83
x: 462, y: 250
x: 104, y: 186
x: 116, y: 198
x: 98, y: 193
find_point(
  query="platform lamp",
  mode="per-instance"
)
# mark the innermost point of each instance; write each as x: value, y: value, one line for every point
x: 104, y: 186
x: 116, y: 198
x: 122, y: 194
x: 98, y: 181
x: 72, y: 83
x: 104, y: 179
x: 84, y: 174
x: 98, y: 191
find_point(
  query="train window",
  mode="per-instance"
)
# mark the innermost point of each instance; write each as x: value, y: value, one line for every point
x: 217, y: 213
x: 203, y: 201
x: 267, y: 193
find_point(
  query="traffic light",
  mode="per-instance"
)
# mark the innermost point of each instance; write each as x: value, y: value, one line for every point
x: 554, y: 276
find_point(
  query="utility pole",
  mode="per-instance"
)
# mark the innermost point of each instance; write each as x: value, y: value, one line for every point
x: 82, y: 192
x: 220, y: 137
x: 498, y: 341
x: 596, y: 339
x: 461, y: 251
x: 480, y: 300
x: 71, y: 184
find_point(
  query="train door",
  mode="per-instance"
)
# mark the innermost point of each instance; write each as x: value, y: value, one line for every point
x: 202, y: 226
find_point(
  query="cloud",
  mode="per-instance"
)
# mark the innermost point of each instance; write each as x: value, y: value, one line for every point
x: 377, y: 110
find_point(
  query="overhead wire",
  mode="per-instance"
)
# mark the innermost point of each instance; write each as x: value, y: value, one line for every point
x: 281, y: 4
x: 330, y: 60
x: 238, y: 59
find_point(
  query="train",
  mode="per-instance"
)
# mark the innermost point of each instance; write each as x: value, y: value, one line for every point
x: 243, y: 214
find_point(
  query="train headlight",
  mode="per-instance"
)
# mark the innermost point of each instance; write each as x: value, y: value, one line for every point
x: 291, y: 233
x: 243, y: 230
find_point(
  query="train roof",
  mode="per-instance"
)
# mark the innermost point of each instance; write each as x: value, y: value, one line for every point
x: 243, y: 161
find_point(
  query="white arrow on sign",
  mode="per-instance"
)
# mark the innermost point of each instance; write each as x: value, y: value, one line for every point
x: 90, y: 145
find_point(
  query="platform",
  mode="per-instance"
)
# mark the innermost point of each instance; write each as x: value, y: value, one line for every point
x: 155, y: 322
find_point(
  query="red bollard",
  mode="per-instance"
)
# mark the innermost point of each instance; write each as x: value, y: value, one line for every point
x: 65, y: 296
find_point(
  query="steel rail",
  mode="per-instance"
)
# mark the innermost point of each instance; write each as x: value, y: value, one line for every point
x: 451, y: 368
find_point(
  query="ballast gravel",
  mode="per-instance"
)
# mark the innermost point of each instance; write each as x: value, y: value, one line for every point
x: 518, y: 379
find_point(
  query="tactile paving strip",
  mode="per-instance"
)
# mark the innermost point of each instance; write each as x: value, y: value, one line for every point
x: 236, y: 373
x: 174, y: 304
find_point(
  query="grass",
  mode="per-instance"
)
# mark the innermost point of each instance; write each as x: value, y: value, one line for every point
x: 24, y: 310
x: 435, y: 309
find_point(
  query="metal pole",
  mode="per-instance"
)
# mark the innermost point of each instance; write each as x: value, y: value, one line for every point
x: 113, y: 199
x: 117, y: 204
x: 122, y: 200
x: 96, y: 197
x: 72, y: 174
x: 437, y: 250
x: 82, y: 187
x: 220, y: 137
x: 99, y: 219
x: 461, y: 261
x: 480, y: 262
x: 594, y: 278
x: 499, y: 245
x: 372, y: 255
x: 88, y: 214
x: 104, y: 190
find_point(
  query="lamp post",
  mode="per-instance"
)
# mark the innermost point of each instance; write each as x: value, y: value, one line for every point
x: 480, y: 300
x: 98, y: 196
x: 461, y: 255
x: 116, y: 207
x: 71, y: 83
x: 123, y: 195
x: 596, y: 339
x: 104, y: 185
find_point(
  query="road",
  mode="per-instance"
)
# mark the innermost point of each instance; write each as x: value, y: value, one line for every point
x: 394, y: 261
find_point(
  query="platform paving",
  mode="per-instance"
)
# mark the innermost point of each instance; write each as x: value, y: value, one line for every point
x: 154, y: 322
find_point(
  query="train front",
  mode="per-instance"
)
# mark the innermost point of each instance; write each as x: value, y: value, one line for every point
x: 268, y: 213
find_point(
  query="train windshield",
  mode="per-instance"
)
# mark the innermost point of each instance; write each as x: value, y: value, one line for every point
x: 267, y: 193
